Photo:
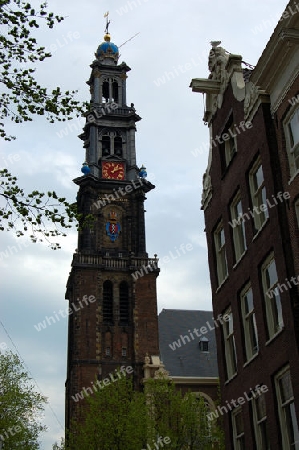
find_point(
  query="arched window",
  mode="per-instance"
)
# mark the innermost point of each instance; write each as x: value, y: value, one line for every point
x: 108, y: 302
x: 105, y: 91
x: 115, y: 91
x: 106, y: 146
x: 110, y: 91
x: 123, y: 303
x: 118, y: 144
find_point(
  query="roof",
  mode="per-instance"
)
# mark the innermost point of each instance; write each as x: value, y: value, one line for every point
x: 179, y: 344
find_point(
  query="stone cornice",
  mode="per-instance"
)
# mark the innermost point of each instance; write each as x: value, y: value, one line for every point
x: 205, y: 85
x: 195, y: 380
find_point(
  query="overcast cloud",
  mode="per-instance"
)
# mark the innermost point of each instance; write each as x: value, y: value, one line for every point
x: 171, y: 49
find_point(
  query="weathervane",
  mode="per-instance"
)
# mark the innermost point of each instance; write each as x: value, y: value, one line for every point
x: 107, y: 22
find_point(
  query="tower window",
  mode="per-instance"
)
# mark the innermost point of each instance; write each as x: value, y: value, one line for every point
x: 123, y: 303
x: 124, y: 351
x: 110, y: 91
x: 106, y: 145
x: 115, y: 91
x: 108, y: 302
x: 105, y: 91
x: 108, y: 351
x: 118, y: 144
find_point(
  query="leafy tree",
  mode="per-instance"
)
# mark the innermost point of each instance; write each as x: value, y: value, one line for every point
x: 22, y: 98
x: 60, y: 446
x: 41, y: 215
x: 182, y: 418
x: 119, y: 418
x: 115, y: 419
x: 20, y: 406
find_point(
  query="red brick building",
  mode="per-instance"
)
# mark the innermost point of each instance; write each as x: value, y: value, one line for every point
x: 251, y: 205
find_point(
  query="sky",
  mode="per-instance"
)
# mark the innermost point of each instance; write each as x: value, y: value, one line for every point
x: 170, y: 49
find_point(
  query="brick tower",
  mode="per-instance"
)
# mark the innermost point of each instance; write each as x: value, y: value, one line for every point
x: 112, y: 284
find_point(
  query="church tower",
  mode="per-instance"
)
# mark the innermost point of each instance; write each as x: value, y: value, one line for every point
x: 112, y: 284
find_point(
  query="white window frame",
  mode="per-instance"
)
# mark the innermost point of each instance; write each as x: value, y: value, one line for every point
x: 239, y: 237
x: 273, y: 304
x: 220, y: 250
x: 260, y: 425
x: 238, y: 437
x: 292, y: 146
x: 229, y: 345
x: 282, y: 405
x: 249, y: 324
x: 258, y: 196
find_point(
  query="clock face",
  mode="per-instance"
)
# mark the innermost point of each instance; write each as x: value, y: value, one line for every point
x: 113, y: 170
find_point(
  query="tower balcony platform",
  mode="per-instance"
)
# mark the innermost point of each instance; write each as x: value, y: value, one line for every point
x: 112, y: 263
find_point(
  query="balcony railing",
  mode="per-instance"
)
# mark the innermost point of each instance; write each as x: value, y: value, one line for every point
x: 114, y: 263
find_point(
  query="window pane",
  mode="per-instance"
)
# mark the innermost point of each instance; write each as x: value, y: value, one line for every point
x: 260, y: 407
x: 239, y: 424
x: 258, y: 195
x: 271, y: 274
x: 286, y: 387
x: 287, y: 413
x: 205, y: 346
x: 230, y: 347
x: 294, y: 427
x: 253, y: 333
x: 230, y: 324
x: 258, y: 178
x: 248, y: 301
x: 264, y: 202
x: 219, y: 239
x: 294, y: 128
x: 222, y: 237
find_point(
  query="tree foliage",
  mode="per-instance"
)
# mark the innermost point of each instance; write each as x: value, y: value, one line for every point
x: 117, y: 417
x: 21, y: 95
x: 40, y: 215
x: 181, y: 417
x: 20, y: 406
x: 60, y: 446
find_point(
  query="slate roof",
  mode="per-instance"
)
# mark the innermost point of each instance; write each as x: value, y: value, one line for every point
x: 188, y: 360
